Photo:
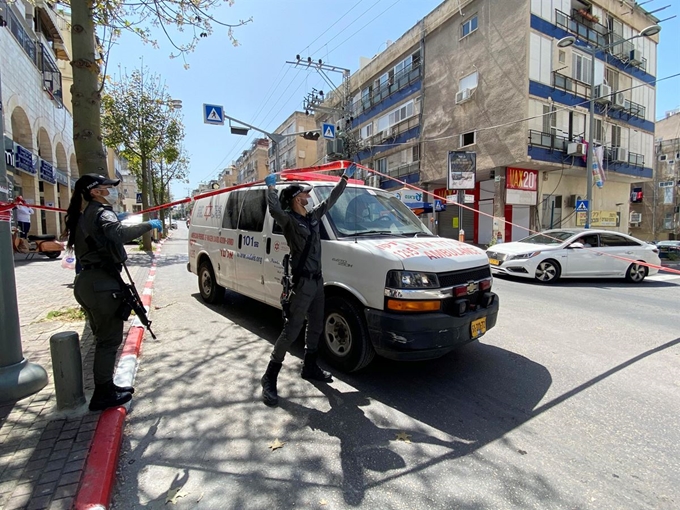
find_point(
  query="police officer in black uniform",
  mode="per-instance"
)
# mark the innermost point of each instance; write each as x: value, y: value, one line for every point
x: 308, y: 297
x: 98, y: 239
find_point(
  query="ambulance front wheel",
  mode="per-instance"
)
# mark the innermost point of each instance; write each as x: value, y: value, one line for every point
x: 345, y: 340
x: 210, y: 291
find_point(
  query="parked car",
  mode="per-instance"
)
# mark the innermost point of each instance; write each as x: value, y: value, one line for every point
x: 134, y: 219
x: 581, y: 253
x: 668, y: 249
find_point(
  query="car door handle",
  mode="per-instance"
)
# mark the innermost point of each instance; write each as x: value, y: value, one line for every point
x: 269, y: 245
x: 240, y: 239
x: 629, y: 253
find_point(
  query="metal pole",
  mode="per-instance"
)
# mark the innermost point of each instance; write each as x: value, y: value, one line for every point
x: 277, y: 162
x: 67, y: 369
x: 589, y: 159
x: 18, y: 377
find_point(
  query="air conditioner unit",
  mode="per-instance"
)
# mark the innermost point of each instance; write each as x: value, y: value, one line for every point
x: 618, y: 100
x: 635, y: 57
x: 576, y: 149
x: 571, y: 200
x: 603, y: 93
x: 619, y: 155
x: 394, y: 131
x: 384, y: 134
x: 463, y: 95
x: 636, y: 217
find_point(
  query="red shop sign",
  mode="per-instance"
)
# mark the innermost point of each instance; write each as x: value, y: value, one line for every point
x: 519, y: 178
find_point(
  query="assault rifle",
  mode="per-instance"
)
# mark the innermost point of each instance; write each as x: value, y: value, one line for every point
x: 287, y: 282
x: 132, y: 301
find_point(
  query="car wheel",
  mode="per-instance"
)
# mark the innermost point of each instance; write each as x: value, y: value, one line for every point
x: 636, y: 273
x: 345, y: 340
x: 548, y: 271
x: 52, y: 254
x: 207, y: 285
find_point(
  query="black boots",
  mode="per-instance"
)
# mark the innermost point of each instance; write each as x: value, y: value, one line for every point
x: 124, y: 389
x: 268, y: 381
x: 310, y: 370
x: 107, y: 395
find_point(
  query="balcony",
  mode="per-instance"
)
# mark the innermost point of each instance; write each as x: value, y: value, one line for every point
x: 403, y: 170
x: 632, y: 158
x: 393, y: 131
x: 21, y: 34
x: 571, y: 85
x: 400, y: 81
x: 634, y: 109
x: 578, y: 25
x: 548, y: 140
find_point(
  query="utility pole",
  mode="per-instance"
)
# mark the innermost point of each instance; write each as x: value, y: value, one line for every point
x: 318, y: 102
x: 18, y: 377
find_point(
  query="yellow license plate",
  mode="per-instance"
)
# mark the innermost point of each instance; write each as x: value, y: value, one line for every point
x: 494, y: 262
x: 478, y: 327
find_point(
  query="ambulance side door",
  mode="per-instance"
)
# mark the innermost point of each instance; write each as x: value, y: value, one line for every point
x: 276, y: 248
x: 251, y: 244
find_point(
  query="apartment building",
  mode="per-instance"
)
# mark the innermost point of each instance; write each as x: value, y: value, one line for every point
x: 38, y: 125
x: 229, y: 176
x: 253, y: 164
x: 295, y: 151
x: 488, y: 77
x: 655, y: 205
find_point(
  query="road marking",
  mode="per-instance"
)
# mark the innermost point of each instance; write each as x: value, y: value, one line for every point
x: 664, y: 278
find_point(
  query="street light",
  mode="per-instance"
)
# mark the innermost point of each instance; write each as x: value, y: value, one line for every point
x: 568, y: 41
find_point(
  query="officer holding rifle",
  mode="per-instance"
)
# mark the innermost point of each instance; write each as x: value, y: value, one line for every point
x: 98, y: 238
x: 306, y: 299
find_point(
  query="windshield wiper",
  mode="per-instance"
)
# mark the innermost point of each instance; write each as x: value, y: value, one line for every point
x: 373, y: 233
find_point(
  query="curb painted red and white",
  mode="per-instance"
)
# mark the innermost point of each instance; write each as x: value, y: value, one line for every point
x: 99, y: 474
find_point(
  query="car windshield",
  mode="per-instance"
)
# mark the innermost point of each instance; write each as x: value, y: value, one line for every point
x: 553, y: 238
x: 367, y: 212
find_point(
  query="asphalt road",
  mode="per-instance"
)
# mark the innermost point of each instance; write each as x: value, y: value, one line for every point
x: 570, y: 402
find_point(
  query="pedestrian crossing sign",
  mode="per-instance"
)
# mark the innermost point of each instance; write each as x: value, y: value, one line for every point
x: 581, y: 206
x: 213, y: 114
x: 328, y: 131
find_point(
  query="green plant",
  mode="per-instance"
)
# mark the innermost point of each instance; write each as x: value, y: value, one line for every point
x: 72, y: 314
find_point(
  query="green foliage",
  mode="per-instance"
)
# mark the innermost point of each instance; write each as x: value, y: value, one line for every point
x: 73, y: 314
x: 183, y: 22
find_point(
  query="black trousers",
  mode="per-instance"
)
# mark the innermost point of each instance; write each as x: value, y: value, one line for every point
x: 94, y: 290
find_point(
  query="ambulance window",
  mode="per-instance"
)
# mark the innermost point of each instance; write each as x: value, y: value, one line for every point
x: 234, y: 202
x: 253, y: 210
x: 276, y: 228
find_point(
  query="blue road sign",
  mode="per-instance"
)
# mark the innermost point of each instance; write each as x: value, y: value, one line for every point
x: 213, y: 114
x: 581, y: 206
x: 328, y: 131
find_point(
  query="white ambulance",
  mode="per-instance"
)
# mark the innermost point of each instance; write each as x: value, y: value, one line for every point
x: 391, y: 286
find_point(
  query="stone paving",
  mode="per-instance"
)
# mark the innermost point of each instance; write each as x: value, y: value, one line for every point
x: 42, y: 450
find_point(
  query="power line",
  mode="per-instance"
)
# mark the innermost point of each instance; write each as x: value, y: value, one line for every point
x: 336, y: 22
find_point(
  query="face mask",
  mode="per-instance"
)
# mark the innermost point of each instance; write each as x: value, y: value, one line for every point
x: 112, y: 197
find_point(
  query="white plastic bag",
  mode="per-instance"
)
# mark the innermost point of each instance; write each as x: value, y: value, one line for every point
x: 68, y: 261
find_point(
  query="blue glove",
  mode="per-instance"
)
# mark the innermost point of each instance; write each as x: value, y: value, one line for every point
x: 270, y: 180
x: 156, y: 224
x: 349, y: 171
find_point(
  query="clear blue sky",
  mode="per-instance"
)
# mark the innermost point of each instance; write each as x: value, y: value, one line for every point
x: 254, y: 84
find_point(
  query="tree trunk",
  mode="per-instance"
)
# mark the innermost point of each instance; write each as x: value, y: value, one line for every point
x: 87, y: 135
x: 146, y: 238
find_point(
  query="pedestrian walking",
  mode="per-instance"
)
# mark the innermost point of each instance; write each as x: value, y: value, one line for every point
x: 301, y: 230
x: 97, y: 239
x: 24, y: 219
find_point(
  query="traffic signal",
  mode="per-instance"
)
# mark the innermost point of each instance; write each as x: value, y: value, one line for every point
x: 311, y: 135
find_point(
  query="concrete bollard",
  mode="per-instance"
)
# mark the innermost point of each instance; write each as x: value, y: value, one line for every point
x: 67, y: 366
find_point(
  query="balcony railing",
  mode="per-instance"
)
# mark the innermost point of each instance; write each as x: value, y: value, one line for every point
x: 20, y: 34
x: 572, y: 85
x: 401, y: 80
x: 51, y: 76
x: 548, y: 140
x: 633, y: 158
x: 590, y: 31
x: 401, y: 171
x: 393, y: 131
x: 634, y: 109
x: 636, y: 159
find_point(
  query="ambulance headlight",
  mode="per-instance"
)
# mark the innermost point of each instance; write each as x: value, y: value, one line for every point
x: 411, y: 280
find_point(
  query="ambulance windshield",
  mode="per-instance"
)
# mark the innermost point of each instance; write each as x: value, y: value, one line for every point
x: 366, y: 212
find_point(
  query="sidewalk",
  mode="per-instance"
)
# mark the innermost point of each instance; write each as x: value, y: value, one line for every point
x: 43, y: 451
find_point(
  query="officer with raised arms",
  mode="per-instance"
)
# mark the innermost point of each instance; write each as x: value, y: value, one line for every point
x: 301, y: 230
x: 98, y: 239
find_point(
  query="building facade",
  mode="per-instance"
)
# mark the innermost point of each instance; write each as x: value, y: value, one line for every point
x: 229, y: 176
x: 253, y: 164
x: 295, y: 151
x: 38, y: 139
x: 655, y: 206
x: 488, y: 77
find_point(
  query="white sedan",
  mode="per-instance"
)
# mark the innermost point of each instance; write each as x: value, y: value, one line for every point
x: 575, y: 253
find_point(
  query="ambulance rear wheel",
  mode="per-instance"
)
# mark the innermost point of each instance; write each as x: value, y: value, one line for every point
x: 207, y: 285
x: 345, y: 342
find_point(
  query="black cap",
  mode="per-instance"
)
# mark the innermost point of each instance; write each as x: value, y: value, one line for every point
x: 290, y: 192
x: 90, y: 181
